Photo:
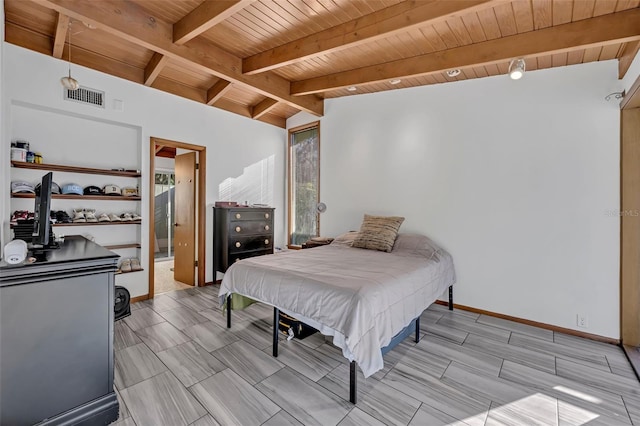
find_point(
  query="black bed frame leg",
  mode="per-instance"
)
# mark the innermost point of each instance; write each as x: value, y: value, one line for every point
x: 353, y: 383
x: 451, y: 298
x: 229, y: 311
x: 276, y: 321
x: 417, y: 329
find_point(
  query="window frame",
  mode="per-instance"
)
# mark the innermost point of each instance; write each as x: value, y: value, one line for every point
x: 290, y: 133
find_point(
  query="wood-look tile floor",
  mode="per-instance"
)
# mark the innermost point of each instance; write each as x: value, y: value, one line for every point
x: 176, y: 364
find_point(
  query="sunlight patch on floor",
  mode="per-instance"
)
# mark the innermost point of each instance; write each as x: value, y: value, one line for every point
x: 539, y: 409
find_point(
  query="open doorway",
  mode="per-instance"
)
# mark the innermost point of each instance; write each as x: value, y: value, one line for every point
x: 177, y: 219
x: 164, y: 212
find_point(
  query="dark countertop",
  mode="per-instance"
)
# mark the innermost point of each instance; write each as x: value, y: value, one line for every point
x: 74, y: 248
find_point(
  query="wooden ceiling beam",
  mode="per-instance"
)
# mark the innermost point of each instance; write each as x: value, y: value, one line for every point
x: 217, y: 91
x: 27, y: 38
x: 387, y: 22
x: 234, y: 107
x: 245, y: 111
x: 629, y: 53
x: 204, y: 17
x: 154, y: 68
x: 274, y: 120
x: 617, y: 27
x: 263, y: 107
x: 179, y: 89
x: 198, y: 95
x: 39, y: 42
x: 127, y: 20
x: 62, y: 27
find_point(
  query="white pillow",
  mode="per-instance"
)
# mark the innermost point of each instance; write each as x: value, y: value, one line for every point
x: 415, y: 244
x: 345, y: 239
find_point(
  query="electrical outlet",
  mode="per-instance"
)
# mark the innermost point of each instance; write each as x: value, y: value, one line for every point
x: 583, y: 321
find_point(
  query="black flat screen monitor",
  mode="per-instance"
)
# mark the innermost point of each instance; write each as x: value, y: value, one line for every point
x: 42, y: 209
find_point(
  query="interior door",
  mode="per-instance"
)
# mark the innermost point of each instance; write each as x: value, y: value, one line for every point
x: 185, y: 218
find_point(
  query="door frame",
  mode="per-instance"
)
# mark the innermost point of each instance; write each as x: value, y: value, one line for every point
x: 630, y: 225
x: 201, y: 175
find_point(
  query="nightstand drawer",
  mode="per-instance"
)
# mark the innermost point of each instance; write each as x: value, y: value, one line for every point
x: 249, y: 214
x: 247, y: 228
x: 253, y: 242
x: 233, y: 258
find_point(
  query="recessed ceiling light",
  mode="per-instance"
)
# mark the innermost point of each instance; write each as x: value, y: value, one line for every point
x: 395, y: 81
x: 352, y: 88
x: 453, y: 73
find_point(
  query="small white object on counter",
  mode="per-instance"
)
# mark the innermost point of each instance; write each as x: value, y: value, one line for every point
x: 15, y: 252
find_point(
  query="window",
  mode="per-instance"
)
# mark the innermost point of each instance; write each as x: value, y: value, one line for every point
x: 304, y: 183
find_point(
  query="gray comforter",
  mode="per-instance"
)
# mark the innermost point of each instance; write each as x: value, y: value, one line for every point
x: 361, y: 297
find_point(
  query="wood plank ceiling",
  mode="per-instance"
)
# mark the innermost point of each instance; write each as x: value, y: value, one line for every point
x: 269, y: 59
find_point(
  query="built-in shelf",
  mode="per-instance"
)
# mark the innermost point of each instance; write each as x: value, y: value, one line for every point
x: 122, y: 246
x: 118, y: 272
x: 74, y: 169
x: 129, y: 222
x: 80, y: 197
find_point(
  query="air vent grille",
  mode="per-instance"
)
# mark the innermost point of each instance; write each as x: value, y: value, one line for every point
x: 87, y: 96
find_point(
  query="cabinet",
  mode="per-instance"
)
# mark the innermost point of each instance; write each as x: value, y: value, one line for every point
x: 123, y: 238
x: 240, y: 232
x: 56, y: 337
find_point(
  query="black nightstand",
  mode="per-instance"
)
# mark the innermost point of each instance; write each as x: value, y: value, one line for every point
x: 316, y: 242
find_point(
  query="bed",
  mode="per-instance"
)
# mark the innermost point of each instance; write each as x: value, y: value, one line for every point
x: 367, y: 300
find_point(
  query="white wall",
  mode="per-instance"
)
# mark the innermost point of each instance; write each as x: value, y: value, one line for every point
x: 31, y: 81
x: 514, y: 178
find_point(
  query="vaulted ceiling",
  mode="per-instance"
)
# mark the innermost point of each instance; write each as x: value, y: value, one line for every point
x: 269, y: 59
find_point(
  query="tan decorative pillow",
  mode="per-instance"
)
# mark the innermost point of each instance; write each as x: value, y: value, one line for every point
x: 378, y: 232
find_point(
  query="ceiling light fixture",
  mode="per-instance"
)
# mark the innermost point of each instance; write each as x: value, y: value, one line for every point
x: 352, y: 88
x: 453, y: 73
x: 516, y: 69
x: 69, y: 82
x: 395, y: 81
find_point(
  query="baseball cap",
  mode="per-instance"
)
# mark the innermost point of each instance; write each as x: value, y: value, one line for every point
x: 21, y: 186
x: 92, y: 190
x: 129, y: 191
x: 72, y: 188
x: 112, y: 190
x: 55, y: 189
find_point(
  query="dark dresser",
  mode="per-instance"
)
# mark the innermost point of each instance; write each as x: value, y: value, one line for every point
x: 240, y: 232
x: 56, y: 337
